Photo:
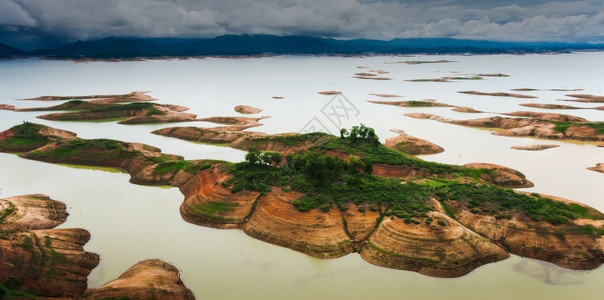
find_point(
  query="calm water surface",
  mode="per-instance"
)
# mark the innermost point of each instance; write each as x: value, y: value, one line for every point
x: 130, y: 223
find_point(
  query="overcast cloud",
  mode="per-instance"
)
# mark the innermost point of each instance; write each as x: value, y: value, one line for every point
x: 30, y: 22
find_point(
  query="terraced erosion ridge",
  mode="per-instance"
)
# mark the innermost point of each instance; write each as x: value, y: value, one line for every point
x: 332, y: 196
x: 39, y: 261
x: 34, y: 256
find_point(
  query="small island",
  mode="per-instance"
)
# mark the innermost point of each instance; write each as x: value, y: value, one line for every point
x: 497, y: 94
x: 39, y: 261
x: 127, y: 109
x: 330, y: 196
x: 532, y: 124
x: 412, y: 103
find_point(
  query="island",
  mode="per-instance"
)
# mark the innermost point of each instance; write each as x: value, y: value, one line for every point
x: 497, y: 94
x: 246, y: 109
x: 586, y: 98
x: 412, y: 103
x: 411, y: 145
x: 38, y: 261
x: 532, y: 124
x: 127, y: 109
x: 137, y: 96
x: 534, y: 147
x: 330, y: 196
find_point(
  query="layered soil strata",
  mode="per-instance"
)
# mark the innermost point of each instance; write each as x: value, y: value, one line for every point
x: 36, y: 258
x: 245, y: 109
x: 580, y: 249
x: 443, y: 248
x: 148, y: 279
x: 412, y: 145
x: 540, y: 125
x: 501, y: 176
x: 416, y: 236
x: 464, y: 109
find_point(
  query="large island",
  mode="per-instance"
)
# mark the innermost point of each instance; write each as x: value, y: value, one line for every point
x: 330, y: 196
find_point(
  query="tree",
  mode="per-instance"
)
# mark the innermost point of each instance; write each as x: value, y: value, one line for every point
x: 362, y: 133
x: 271, y: 158
x: 253, y: 157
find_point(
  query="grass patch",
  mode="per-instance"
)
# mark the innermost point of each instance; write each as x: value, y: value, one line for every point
x: 447, y: 210
x: 9, y: 289
x: 26, y: 138
x: 185, y: 165
x: 8, y: 211
x: 488, y: 198
x: 213, y: 209
x: 598, y: 127
x: 589, y: 230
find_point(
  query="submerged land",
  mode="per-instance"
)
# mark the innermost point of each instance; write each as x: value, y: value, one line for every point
x: 330, y: 196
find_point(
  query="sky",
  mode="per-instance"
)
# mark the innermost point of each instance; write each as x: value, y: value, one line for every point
x: 40, y: 23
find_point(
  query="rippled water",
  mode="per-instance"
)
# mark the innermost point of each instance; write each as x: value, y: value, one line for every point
x: 130, y: 223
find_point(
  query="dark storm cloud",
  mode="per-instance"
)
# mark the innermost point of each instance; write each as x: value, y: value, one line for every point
x: 569, y: 20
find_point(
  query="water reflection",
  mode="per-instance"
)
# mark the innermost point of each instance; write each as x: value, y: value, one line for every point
x: 549, y: 273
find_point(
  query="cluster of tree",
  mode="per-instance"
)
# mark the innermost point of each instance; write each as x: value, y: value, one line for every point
x: 360, y: 133
x: 323, y: 169
x: 255, y: 157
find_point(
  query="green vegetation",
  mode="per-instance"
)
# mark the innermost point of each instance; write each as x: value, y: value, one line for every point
x: 105, y: 148
x: 212, y: 209
x: 254, y: 157
x: 589, y: 230
x: 9, y: 210
x: 176, y: 165
x: 108, y: 111
x: 336, y: 171
x: 447, y: 210
x: 370, y: 153
x: 326, y: 181
x: 27, y: 137
x: 466, y: 78
x: 359, y: 134
x: 9, y: 289
x: 484, y: 197
x: 124, y: 109
x: 285, y: 140
x: 563, y: 126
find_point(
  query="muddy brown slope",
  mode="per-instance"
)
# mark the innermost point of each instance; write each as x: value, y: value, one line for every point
x: 49, y: 262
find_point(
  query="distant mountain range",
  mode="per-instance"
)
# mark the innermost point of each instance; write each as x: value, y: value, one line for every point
x: 233, y: 45
x: 8, y: 51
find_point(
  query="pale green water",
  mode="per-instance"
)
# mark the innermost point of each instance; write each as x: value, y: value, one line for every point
x: 130, y: 223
